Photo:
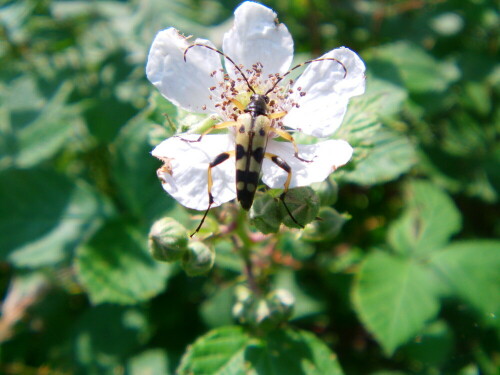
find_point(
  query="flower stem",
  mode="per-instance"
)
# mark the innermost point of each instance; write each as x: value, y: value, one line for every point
x: 247, y: 244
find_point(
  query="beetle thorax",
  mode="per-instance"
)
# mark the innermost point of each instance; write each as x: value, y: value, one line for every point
x: 258, y: 105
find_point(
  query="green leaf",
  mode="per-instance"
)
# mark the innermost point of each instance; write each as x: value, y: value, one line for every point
x: 410, y: 63
x: 216, y: 309
x: 106, y: 334
x: 433, y: 347
x: 115, y: 266
x: 221, y: 351
x: 232, y: 351
x: 149, y: 362
x: 472, y: 268
x: 44, y: 216
x: 134, y: 172
x: 34, y: 128
x: 427, y: 224
x: 390, y: 155
x: 292, y: 352
x: 394, y: 298
x: 380, y: 154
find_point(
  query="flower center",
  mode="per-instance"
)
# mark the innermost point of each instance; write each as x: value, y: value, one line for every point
x: 241, y: 90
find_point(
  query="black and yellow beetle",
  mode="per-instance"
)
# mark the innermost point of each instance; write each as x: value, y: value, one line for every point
x: 253, y: 129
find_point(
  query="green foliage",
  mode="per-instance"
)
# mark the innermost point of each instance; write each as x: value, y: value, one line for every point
x: 230, y: 350
x: 394, y: 297
x: 423, y: 268
x: 396, y: 272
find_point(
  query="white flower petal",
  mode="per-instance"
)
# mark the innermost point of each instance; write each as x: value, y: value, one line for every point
x: 323, y: 106
x: 257, y: 37
x: 324, y: 157
x: 184, y: 174
x: 185, y: 83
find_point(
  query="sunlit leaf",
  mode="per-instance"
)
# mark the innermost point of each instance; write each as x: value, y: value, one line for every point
x: 134, y: 172
x: 472, y: 269
x: 107, y: 333
x: 230, y: 350
x: 44, y: 216
x: 418, y: 70
x: 394, y: 298
x: 380, y: 154
x: 35, y: 128
x: 390, y: 155
x: 428, y: 222
x: 116, y: 267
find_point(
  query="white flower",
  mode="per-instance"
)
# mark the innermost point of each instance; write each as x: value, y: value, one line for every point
x: 315, y: 104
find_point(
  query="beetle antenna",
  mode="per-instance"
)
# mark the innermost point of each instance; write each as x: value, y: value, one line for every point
x: 226, y: 56
x: 304, y: 63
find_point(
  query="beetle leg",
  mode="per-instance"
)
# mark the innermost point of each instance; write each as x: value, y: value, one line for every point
x: 285, y: 135
x: 238, y: 105
x: 218, y: 160
x: 221, y: 125
x: 276, y: 115
x: 283, y: 165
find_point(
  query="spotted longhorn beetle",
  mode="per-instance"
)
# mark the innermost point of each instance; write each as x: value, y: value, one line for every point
x: 253, y: 129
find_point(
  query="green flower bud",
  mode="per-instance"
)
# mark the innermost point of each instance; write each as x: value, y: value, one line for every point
x: 263, y: 312
x: 327, y: 191
x: 281, y: 303
x: 244, y: 301
x: 303, y: 205
x: 198, y: 260
x: 243, y: 293
x: 168, y: 240
x: 328, y: 225
x: 265, y: 214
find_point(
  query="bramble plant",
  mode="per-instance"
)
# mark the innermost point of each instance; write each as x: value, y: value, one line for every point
x: 370, y: 246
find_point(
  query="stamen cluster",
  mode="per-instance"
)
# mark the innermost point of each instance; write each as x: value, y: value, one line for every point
x: 230, y: 89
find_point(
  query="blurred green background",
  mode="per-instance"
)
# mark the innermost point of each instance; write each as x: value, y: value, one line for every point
x: 409, y: 285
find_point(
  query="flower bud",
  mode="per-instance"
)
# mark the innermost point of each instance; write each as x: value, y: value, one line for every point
x: 281, y: 303
x: 198, y: 259
x: 265, y: 214
x: 265, y: 312
x: 303, y: 205
x: 167, y: 240
x: 328, y: 225
x: 244, y: 301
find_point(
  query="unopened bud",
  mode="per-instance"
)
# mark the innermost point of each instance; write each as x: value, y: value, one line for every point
x: 327, y: 226
x: 198, y: 259
x: 168, y: 240
x: 265, y: 312
x: 265, y: 214
x: 244, y: 301
x: 281, y: 303
x: 303, y: 207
